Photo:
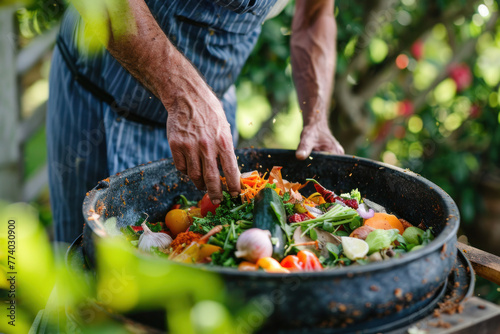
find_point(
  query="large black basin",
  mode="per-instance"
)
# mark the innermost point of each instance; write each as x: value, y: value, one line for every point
x: 348, y: 299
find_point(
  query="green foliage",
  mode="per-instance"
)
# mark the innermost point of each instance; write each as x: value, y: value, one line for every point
x: 126, y: 281
x: 38, y: 16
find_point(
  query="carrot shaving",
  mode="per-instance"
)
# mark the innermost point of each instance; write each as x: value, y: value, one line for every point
x: 252, y: 183
x: 310, y: 215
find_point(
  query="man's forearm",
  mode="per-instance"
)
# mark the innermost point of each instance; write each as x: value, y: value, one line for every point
x: 197, y: 129
x: 152, y: 59
x: 135, y: 39
x: 313, y: 48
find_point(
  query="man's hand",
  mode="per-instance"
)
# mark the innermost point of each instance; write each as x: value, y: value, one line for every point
x: 317, y: 136
x: 197, y: 129
x: 313, y: 62
x: 199, y: 137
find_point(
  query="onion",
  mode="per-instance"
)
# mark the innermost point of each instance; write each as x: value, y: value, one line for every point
x: 254, y: 244
x: 374, y: 206
x: 365, y: 214
x: 339, y: 202
x: 314, y: 211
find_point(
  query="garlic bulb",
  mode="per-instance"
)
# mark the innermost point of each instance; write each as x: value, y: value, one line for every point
x: 150, y: 239
x: 254, y: 244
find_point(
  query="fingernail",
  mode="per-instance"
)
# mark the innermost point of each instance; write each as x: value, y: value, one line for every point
x: 234, y: 194
x: 301, y: 154
x: 216, y: 202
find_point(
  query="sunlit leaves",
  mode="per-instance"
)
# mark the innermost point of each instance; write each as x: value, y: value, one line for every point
x: 103, y: 20
x: 378, y: 50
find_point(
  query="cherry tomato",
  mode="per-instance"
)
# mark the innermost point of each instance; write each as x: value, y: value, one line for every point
x: 292, y: 263
x: 177, y: 221
x: 309, y: 261
x: 248, y: 266
x: 271, y: 265
x: 207, y: 206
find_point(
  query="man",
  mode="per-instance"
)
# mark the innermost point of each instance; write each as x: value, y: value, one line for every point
x: 107, y: 112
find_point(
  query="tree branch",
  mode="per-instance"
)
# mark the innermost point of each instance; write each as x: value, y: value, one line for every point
x: 371, y: 78
x: 465, y: 51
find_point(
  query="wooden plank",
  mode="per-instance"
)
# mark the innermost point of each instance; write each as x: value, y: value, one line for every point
x: 36, y: 184
x: 485, y: 264
x: 10, y: 174
x: 33, y: 123
x: 475, y: 315
x: 31, y: 54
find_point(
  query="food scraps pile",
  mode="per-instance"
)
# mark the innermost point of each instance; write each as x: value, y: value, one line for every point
x: 271, y: 226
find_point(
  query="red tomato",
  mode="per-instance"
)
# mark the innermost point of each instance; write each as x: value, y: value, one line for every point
x: 309, y: 261
x: 292, y: 263
x: 207, y: 206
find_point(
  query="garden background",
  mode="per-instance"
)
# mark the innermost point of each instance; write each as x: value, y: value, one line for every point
x: 417, y: 86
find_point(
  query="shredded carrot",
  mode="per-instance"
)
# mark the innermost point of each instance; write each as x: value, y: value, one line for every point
x: 251, y: 185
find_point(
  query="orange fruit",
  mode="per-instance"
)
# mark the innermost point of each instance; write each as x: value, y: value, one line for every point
x: 177, y: 220
x: 384, y: 221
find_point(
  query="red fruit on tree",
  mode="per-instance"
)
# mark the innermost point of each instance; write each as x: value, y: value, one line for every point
x: 462, y: 75
x: 384, y: 130
x: 475, y: 111
x: 417, y: 49
x: 399, y: 132
x: 405, y: 108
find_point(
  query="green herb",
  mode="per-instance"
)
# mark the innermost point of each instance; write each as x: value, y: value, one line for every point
x: 355, y: 223
x: 155, y: 227
x: 227, y: 239
x: 230, y: 211
x: 327, y: 226
x: 341, y: 233
x: 324, y: 207
x: 338, y: 215
x: 334, y: 255
x: 362, y: 261
x: 427, y: 237
x: 355, y: 194
x: 313, y: 234
x: 289, y: 208
x: 403, y: 244
x: 333, y: 249
x: 185, y: 203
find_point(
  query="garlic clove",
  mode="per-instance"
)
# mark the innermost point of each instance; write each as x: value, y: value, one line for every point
x: 150, y: 239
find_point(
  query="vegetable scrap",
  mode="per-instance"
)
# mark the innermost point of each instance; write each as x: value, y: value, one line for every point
x: 273, y: 227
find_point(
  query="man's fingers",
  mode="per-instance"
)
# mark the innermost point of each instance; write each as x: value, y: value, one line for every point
x: 231, y: 172
x: 179, y: 161
x: 338, y: 149
x: 194, y: 171
x: 211, y: 178
x: 304, y: 149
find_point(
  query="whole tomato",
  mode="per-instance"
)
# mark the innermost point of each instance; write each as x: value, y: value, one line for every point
x: 207, y: 206
x: 177, y: 220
